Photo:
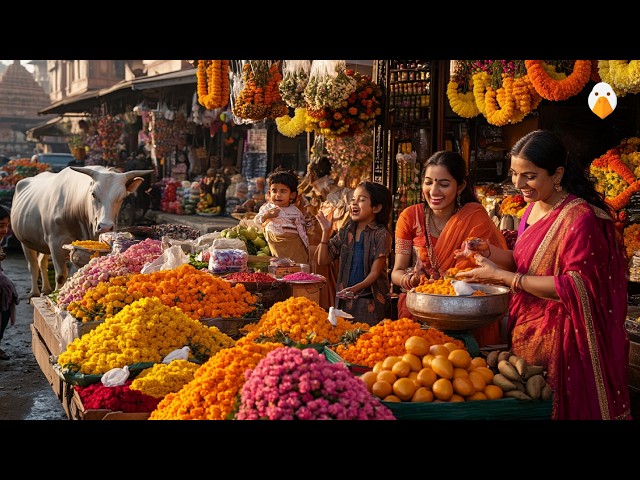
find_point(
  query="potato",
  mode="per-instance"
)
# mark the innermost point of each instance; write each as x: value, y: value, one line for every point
x: 517, y: 394
x: 492, y: 358
x: 503, y: 382
x: 534, y: 386
x: 508, y: 370
x: 533, y: 370
x: 504, y: 355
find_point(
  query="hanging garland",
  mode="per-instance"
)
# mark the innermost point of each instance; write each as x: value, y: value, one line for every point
x: 292, y: 127
x: 558, y: 90
x: 463, y: 104
x: 622, y: 75
x: 480, y: 82
x: 213, y: 83
x: 500, y: 104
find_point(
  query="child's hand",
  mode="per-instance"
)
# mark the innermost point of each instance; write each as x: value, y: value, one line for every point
x: 272, y: 213
x: 325, y: 223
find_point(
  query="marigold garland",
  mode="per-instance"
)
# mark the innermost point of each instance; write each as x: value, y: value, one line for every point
x: 480, y: 82
x: 294, y: 126
x: 463, y: 104
x: 558, y: 90
x: 500, y: 104
x: 622, y: 75
x: 213, y: 83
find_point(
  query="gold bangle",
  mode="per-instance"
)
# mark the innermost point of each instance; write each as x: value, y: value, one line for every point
x: 323, y: 243
x: 515, y: 282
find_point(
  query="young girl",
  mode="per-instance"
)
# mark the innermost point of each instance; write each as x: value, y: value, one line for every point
x: 8, y: 294
x: 285, y: 225
x: 363, y: 245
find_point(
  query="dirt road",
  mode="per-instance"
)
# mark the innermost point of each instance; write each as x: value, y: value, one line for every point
x: 25, y: 394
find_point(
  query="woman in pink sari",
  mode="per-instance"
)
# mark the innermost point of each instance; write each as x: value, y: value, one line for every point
x: 568, y: 276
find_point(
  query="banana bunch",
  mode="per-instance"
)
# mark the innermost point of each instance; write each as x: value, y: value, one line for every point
x: 517, y: 378
x: 254, y: 240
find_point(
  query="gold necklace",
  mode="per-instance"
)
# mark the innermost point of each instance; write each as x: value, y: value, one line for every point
x: 434, y: 269
x: 562, y: 199
x: 433, y: 222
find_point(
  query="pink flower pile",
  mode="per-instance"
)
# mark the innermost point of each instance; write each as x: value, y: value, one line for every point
x: 301, y: 384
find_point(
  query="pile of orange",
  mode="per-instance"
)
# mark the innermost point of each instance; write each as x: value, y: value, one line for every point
x: 432, y: 373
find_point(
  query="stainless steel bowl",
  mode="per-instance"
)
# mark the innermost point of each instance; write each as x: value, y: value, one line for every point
x: 452, y: 312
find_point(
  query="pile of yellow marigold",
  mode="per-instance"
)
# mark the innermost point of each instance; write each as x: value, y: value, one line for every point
x: 145, y: 331
x: 163, y: 379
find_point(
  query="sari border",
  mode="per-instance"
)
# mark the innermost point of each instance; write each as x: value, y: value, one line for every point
x: 593, y: 348
x: 550, y: 235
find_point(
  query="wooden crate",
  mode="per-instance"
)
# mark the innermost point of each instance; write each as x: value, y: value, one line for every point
x: 46, y: 321
x: 308, y: 290
x: 78, y: 412
x: 42, y: 354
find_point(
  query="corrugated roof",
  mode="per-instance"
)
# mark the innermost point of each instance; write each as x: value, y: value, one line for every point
x: 88, y: 100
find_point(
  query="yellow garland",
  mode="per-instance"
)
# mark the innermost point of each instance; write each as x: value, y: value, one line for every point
x: 480, y: 82
x: 500, y: 104
x: 292, y: 127
x: 622, y: 75
x: 558, y: 90
x: 463, y: 104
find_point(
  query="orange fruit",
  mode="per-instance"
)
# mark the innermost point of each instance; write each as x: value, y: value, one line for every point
x: 442, y: 366
x: 426, y: 360
x: 438, y: 349
x: 381, y: 389
x: 460, y: 358
x: 478, y: 362
x: 477, y: 396
x: 456, y: 398
x: 404, y: 388
x: 417, y: 345
x: 442, y: 389
x: 493, y: 392
x: 413, y: 360
x: 388, y: 362
x: 487, y: 373
x: 386, y: 376
x: 378, y: 366
x: 392, y: 398
x: 478, y: 381
x: 460, y: 372
x: 422, y: 394
x: 451, y: 346
x: 369, y: 378
x: 463, y: 386
x: 401, y: 368
x: 426, y: 377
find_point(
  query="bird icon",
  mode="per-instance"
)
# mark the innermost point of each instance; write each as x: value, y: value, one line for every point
x: 334, y: 313
x: 115, y: 377
x: 602, y: 99
x: 178, y: 354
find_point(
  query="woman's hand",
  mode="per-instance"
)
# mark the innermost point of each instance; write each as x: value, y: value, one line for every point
x: 487, y: 272
x: 472, y: 246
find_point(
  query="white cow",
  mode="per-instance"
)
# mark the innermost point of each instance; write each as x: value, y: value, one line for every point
x: 50, y: 210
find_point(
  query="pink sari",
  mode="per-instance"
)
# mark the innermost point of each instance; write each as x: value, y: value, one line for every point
x: 580, y: 339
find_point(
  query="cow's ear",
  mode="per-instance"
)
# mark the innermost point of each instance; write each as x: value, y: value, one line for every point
x: 133, y: 184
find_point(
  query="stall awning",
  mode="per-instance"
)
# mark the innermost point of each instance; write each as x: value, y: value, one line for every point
x: 124, y: 90
x: 48, y: 128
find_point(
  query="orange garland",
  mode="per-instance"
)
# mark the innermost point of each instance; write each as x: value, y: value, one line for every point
x: 213, y: 83
x: 558, y: 90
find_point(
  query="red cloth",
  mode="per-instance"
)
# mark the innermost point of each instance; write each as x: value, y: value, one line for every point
x: 471, y: 220
x: 580, y: 339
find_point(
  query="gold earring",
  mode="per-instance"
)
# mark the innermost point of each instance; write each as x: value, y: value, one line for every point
x: 458, y: 203
x: 558, y: 187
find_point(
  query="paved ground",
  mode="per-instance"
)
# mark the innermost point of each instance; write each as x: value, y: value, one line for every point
x: 25, y: 394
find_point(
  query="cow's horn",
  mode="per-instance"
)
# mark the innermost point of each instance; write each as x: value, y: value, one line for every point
x: 136, y: 173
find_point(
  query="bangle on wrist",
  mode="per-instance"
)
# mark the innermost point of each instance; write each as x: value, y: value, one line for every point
x: 515, y: 283
x: 323, y: 243
x: 487, y: 256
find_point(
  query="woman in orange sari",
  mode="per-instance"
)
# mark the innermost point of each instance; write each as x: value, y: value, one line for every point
x: 567, y: 272
x: 431, y: 231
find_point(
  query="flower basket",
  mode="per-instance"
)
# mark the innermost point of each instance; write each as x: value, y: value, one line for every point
x: 333, y: 357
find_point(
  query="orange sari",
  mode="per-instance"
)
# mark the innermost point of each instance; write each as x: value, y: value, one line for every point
x: 472, y: 220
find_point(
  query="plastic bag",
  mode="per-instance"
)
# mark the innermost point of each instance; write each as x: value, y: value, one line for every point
x: 186, y: 245
x: 171, y: 258
x: 224, y: 260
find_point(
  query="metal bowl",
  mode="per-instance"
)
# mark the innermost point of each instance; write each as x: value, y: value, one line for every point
x: 452, y: 312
